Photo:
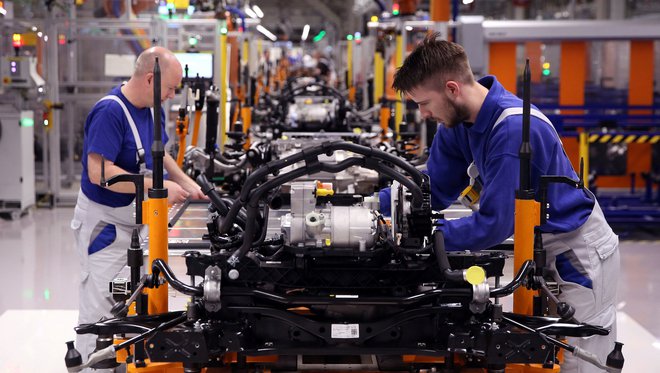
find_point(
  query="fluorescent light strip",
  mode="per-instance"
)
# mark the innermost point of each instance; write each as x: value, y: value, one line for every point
x: 305, y: 33
x: 258, y: 11
x: 250, y: 13
x: 268, y: 34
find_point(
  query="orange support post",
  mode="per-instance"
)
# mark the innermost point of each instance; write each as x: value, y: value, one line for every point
x: 246, y: 114
x: 154, y: 213
x: 572, y: 75
x: 527, y: 217
x: 640, y: 84
x: 440, y: 10
x: 502, y: 64
x: 195, y: 134
x: 182, y: 132
x: 640, y: 93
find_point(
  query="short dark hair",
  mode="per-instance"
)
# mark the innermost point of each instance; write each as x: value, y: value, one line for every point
x: 433, y: 59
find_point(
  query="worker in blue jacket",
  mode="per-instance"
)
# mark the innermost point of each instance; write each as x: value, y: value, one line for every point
x: 119, y: 132
x: 480, y: 129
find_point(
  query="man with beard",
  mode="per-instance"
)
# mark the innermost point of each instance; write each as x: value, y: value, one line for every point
x: 480, y: 127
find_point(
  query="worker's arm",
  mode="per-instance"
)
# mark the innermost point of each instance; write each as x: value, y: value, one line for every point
x: 493, y: 223
x: 447, y: 166
x: 177, y: 175
x: 175, y: 193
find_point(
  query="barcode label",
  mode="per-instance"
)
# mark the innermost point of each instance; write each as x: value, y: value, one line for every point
x: 344, y: 331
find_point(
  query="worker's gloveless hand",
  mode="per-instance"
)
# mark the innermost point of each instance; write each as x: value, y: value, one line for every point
x: 195, y: 191
x: 175, y: 193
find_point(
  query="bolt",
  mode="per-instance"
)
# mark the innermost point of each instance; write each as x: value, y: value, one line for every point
x: 543, y: 347
x: 156, y: 213
x: 268, y: 344
x: 421, y: 344
x: 497, y: 347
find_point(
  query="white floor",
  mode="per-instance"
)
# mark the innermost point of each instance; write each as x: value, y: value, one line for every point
x: 38, y: 302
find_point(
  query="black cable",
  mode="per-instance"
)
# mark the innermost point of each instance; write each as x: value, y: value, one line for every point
x: 209, y: 190
x: 181, y: 287
x: 524, y: 271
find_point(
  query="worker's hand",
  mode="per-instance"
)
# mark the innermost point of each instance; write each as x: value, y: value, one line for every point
x: 175, y: 193
x: 195, y: 191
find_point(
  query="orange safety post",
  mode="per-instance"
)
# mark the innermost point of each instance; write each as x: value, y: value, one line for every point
x: 527, y: 217
x: 182, y: 132
x: 246, y: 115
x: 195, y: 135
x: 502, y: 64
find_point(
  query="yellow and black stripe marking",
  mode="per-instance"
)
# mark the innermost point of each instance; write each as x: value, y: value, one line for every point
x: 615, y: 138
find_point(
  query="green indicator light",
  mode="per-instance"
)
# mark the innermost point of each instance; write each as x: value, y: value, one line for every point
x: 319, y: 36
x: 27, y: 122
x: 349, y: 37
x: 47, y: 294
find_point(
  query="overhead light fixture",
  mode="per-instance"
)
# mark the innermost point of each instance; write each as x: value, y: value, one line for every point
x: 466, y: 2
x: 258, y: 11
x: 250, y: 12
x: 267, y: 33
x: 409, y: 28
x: 305, y: 33
x: 3, y: 11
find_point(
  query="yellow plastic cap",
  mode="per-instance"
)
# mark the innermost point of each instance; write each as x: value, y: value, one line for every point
x: 475, y: 275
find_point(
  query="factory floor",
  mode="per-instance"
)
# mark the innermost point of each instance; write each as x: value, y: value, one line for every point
x: 39, y: 298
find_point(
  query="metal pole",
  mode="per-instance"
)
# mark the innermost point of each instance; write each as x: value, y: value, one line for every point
x: 584, y: 155
x: 54, y: 161
x: 223, y: 90
x: 398, y: 111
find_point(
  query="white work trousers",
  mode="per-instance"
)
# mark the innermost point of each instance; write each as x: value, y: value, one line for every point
x: 591, y: 252
x: 99, y: 268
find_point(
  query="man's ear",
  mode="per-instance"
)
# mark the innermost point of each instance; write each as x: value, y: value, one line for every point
x: 149, y: 77
x: 452, y: 88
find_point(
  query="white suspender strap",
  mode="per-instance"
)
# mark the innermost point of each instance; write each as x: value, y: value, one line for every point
x: 518, y: 111
x: 131, y: 122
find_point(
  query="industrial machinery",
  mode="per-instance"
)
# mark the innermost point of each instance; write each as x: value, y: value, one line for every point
x: 335, y: 286
x: 17, y: 161
x: 303, y: 106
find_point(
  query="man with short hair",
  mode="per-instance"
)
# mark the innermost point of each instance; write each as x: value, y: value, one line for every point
x: 119, y: 131
x: 481, y: 126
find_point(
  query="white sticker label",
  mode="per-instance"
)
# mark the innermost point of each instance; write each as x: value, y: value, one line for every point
x: 343, y: 331
x: 346, y: 296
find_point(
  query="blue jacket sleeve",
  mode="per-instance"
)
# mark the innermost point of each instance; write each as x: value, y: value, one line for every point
x: 493, y: 223
x: 447, y: 167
